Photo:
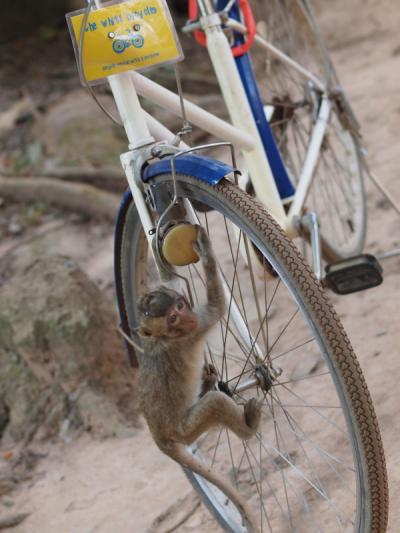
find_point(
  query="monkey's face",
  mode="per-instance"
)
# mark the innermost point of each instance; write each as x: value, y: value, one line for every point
x: 180, y: 319
x: 165, y: 313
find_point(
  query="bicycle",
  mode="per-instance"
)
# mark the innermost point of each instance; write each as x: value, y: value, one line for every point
x: 317, y: 462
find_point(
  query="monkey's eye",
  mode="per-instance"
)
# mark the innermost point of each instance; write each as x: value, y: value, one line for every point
x: 180, y: 305
x: 172, y: 319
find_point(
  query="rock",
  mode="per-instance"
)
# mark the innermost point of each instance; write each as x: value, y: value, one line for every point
x: 12, y: 520
x: 75, y: 129
x: 7, y: 484
x: 14, y: 228
x: 101, y: 416
x: 60, y: 355
x: 4, y: 416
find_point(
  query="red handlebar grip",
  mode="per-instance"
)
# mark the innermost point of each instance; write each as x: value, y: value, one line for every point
x: 249, y: 21
x: 250, y: 24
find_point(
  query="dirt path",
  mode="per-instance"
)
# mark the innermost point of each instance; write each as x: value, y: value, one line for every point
x: 124, y: 485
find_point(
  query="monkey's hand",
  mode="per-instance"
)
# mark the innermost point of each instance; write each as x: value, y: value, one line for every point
x: 209, y: 379
x: 215, y: 308
x: 202, y: 246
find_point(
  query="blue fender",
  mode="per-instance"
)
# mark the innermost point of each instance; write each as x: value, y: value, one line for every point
x: 197, y: 166
x: 118, y: 284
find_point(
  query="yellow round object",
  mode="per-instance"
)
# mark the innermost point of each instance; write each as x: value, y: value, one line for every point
x: 177, y: 246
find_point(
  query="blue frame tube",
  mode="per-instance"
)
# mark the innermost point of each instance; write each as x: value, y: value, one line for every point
x: 246, y: 72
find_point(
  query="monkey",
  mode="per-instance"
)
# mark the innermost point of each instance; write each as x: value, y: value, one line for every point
x: 177, y: 394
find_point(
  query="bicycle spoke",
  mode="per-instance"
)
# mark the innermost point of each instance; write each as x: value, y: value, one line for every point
x: 313, y: 409
x: 302, y: 378
x: 308, y: 460
x: 286, y: 352
x: 307, y: 480
x: 231, y: 458
x: 282, y: 472
x: 283, y: 330
x: 216, y: 447
x: 264, y: 512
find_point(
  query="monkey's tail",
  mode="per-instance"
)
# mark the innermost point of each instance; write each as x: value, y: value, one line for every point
x: 184, y: 458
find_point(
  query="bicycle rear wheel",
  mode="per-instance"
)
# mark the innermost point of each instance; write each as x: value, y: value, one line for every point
x: 337, y: 191
x: 317, y: 463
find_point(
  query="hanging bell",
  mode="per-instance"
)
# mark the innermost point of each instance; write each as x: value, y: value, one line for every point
x: 177, y: 244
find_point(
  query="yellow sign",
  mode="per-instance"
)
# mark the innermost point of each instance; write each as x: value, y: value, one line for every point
x: 136, y: 34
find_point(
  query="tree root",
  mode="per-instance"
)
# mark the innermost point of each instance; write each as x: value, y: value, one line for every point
x: 106, y: 178
x: 77, y: 197
x: 176, y: 515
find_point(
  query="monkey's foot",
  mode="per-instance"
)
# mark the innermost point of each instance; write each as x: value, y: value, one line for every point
x: 252, y: 413
x: 210, y: 373
x: 209, y: 378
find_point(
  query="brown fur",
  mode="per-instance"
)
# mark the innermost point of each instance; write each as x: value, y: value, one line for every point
x: 176, y: 406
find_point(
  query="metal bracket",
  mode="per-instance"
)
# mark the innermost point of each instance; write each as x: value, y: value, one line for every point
x: 201, y: 148
x: 138, y: 157
x: 388, y: 255
x: 310, y: 223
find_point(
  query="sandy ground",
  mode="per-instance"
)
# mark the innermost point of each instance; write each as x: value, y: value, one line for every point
x: 124, y: 485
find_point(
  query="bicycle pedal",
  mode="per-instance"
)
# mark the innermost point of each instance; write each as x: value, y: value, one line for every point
x: 353, y: 274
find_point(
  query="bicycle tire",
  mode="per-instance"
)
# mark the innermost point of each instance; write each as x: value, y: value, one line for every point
x: 337, y: 193
x: 364, y: 445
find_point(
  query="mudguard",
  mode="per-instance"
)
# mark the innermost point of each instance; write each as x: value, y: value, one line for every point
x: 198, y: 166
x: 118, y: 235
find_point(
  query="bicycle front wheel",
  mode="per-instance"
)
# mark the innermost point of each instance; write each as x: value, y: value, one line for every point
x: 337, y: 193
x: 317, y: 462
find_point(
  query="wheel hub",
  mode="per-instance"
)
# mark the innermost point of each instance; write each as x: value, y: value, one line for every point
x: 263, y: 377
x: 266, y: 375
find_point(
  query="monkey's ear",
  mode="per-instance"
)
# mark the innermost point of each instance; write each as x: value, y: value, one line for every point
x: 142, y: 331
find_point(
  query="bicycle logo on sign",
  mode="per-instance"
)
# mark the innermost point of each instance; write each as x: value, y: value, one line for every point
x: 120, y: 45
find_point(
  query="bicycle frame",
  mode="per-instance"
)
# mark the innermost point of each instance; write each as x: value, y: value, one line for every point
x: 142, y: 129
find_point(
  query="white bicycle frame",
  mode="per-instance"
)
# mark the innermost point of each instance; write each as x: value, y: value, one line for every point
x: 142, y: 129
